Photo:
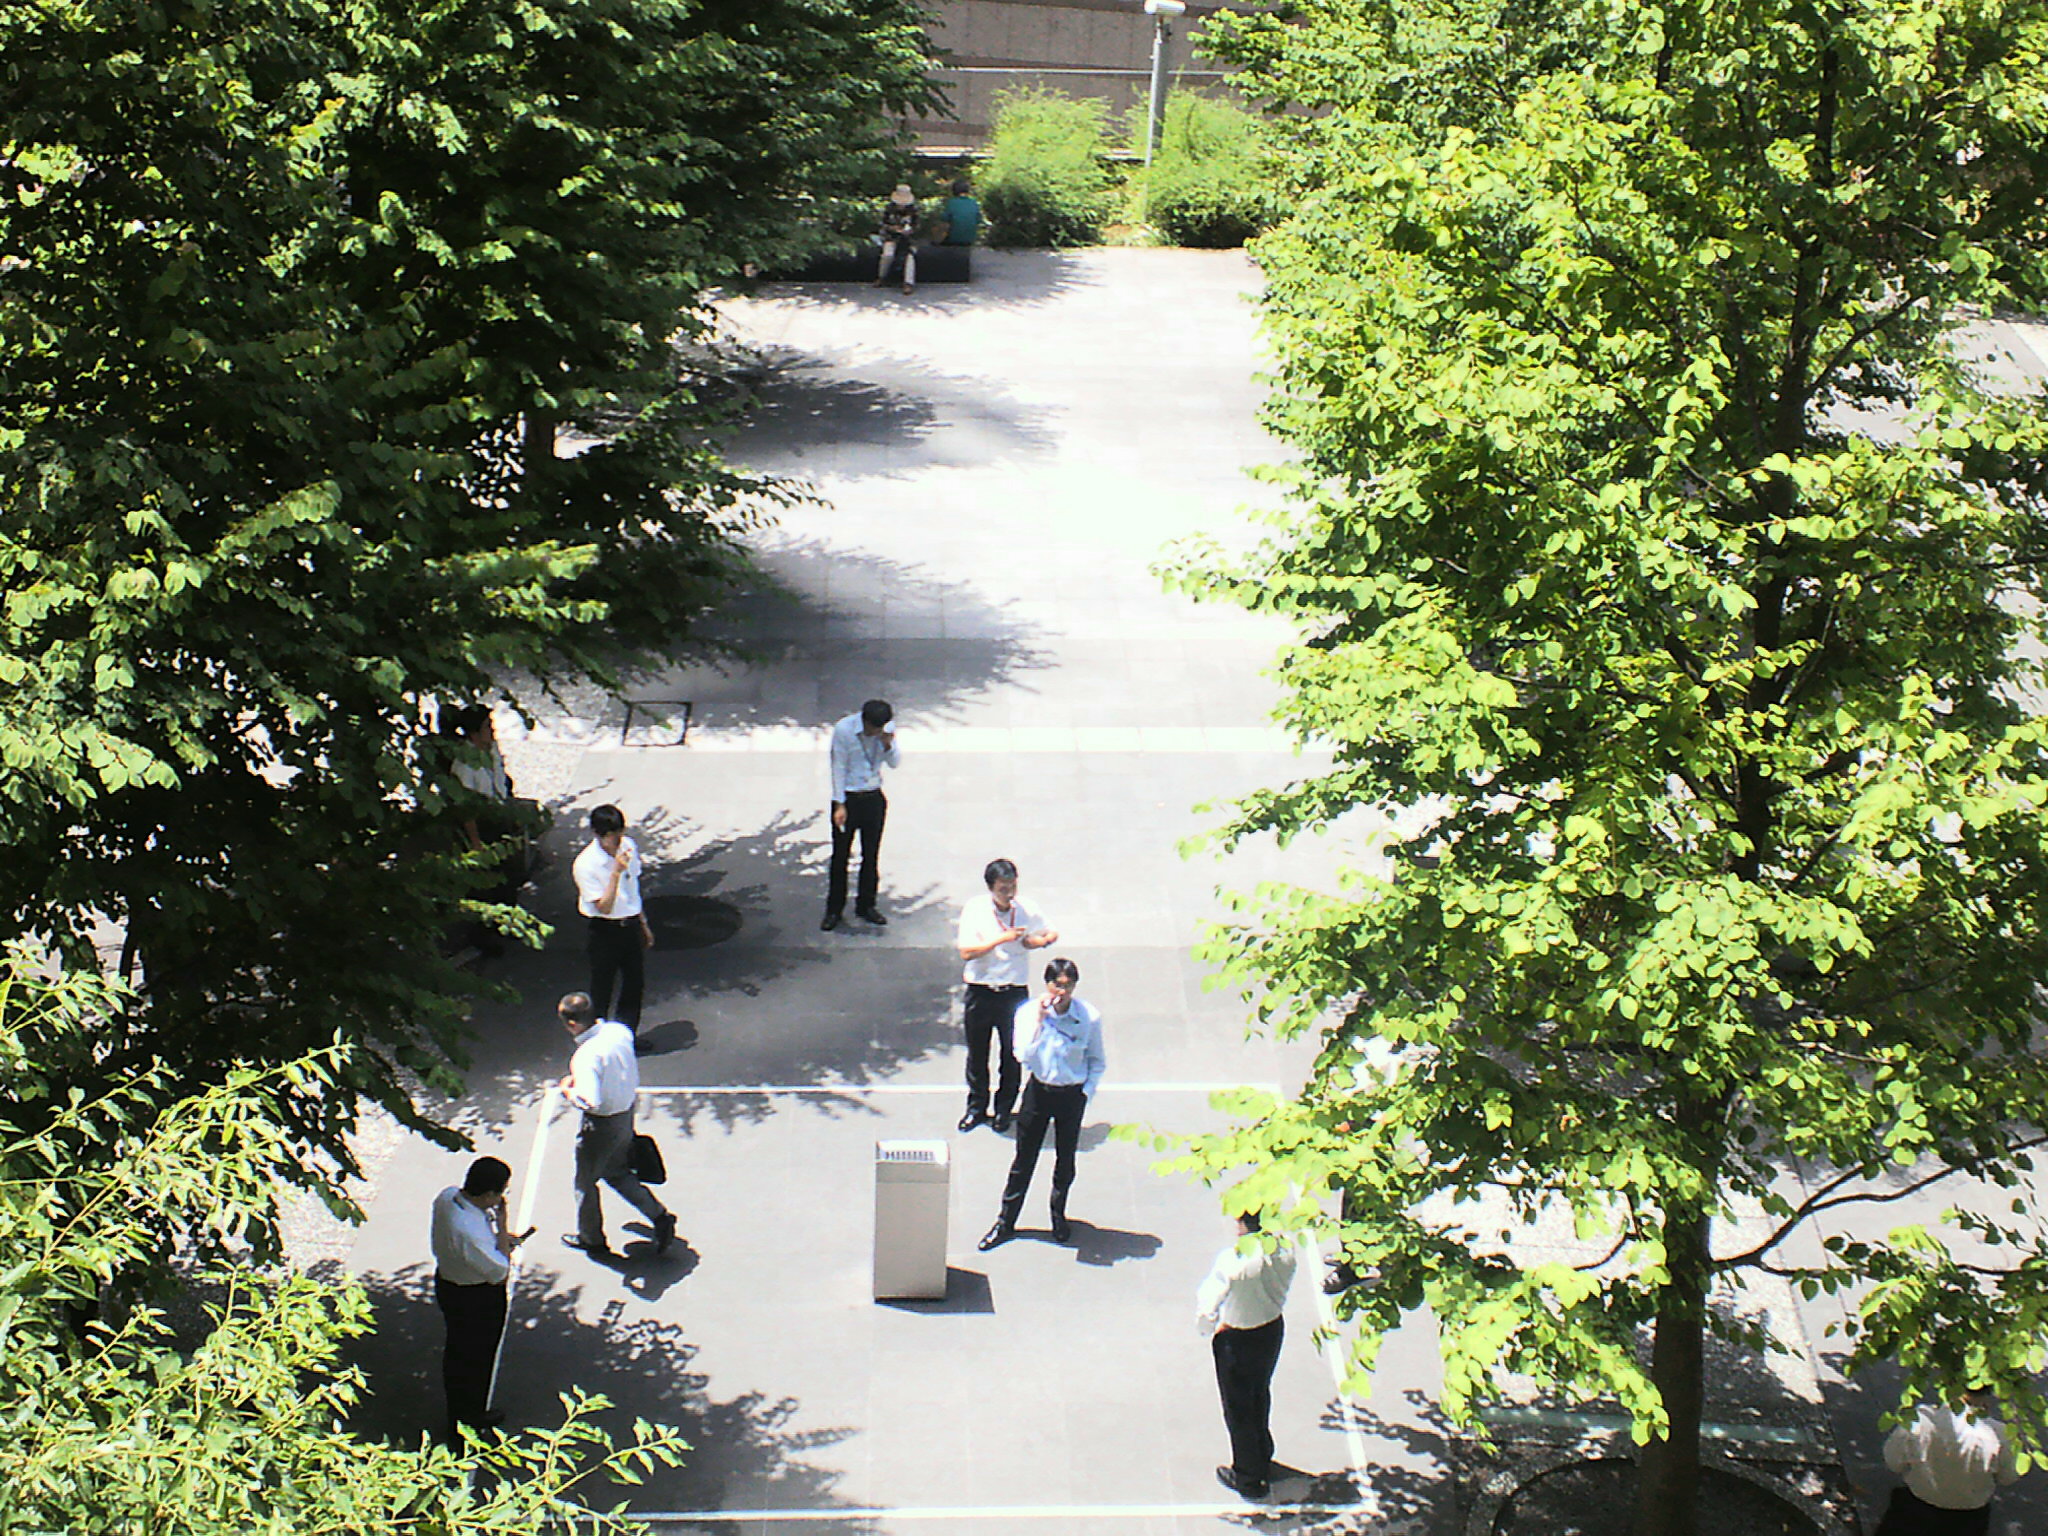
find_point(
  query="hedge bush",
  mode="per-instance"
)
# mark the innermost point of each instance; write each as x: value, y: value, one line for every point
x: 1206, y: 183
x: 1044, y: 182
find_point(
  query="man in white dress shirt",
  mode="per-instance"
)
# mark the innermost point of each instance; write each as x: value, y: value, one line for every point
x: 604, y: 1082
x: 992, y: 938
x: 1239, y: 1307
x: 472, y: 1258
x: 1952, y: 1460
x: 862, y: 746
x: 607, y: 876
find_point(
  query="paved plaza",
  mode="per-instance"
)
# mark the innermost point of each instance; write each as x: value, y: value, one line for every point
x: 996, y: 471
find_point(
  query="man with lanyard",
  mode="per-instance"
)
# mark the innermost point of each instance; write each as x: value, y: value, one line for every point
x: 992, y: 938
x: 862, y: 745
x: 604, y: 1082
x: 607, y: 874
x: 1059, y: 1045
x: 472, y: 1260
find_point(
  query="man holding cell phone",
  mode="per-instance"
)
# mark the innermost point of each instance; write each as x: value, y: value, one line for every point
x: 472, y: 1261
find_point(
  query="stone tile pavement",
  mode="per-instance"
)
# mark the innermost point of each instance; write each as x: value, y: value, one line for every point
x: 996, y: 471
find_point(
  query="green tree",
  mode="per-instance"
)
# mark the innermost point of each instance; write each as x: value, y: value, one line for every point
x: 117, y: 1423
x: 1667, y: 580
x: 1208, y: 184
x: 551, y: 188
x: 284, y: 288
x: 1045, y: 182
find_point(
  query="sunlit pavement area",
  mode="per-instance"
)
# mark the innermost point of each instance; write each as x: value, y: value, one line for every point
x: 997, y: 469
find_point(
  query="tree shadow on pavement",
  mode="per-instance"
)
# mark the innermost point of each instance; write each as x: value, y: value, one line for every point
x: 1417, y: 1496
x: 642, y: 1365
x: 855, y: 414
x: 820, y: 628
x: 775, y: 1003
x: 1002, y: 280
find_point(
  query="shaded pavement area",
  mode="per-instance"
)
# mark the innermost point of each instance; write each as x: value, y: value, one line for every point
x: 996, y: 471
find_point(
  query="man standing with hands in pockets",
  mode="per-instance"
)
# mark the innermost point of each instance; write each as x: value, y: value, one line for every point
x: 992, y: 938
x: 607, y: 874
x: 1059, y: 1045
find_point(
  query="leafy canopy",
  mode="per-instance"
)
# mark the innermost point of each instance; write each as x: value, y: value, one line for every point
x: 120, y: 1422
x: 1666, y: 577
x: 293, y: 300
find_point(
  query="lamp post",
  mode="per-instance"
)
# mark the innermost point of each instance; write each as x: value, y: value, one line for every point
x: 1155, y: 117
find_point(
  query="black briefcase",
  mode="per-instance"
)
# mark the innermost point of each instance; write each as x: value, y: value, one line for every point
x: 648, y: 1167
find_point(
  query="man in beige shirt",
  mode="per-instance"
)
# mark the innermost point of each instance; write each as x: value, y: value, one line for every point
x: 1239, y: 1306
x: 1952, y: 1460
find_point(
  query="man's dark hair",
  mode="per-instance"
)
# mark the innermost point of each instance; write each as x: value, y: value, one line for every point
x: 577, y: 1006
x: 998, y: 869
x: 1063, y: 969
x: 960, y: 187
x: 605, y: 820
x: 486, y: 1176
x: 876, y: 713
x: 1250, y: 1220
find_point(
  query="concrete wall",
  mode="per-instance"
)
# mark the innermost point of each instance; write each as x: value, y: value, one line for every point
x: 1098, y: 48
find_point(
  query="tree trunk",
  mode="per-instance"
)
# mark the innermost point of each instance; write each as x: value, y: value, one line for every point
x: 537, y: 449
x: 1667, y: 1494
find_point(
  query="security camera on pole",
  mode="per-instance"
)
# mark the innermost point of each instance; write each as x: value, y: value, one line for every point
x: 1155, y: 120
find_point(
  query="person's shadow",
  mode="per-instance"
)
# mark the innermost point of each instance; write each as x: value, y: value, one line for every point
x: 1104, y: 1246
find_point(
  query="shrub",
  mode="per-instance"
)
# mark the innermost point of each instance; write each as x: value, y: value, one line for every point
x: 1044, y: 182
x: 1206, y: 184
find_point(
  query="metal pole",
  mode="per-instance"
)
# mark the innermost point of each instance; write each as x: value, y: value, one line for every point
x: 1155, y: 120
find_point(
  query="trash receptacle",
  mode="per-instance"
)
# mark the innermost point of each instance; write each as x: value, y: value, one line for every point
x: 913, y: 1180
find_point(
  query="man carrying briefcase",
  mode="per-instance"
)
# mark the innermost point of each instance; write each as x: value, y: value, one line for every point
x: 604, y: 1082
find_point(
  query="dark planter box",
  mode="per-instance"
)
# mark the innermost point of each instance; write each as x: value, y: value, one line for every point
x: 935, y: 264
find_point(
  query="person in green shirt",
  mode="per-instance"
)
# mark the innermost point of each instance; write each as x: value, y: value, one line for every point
x: 959, y: 217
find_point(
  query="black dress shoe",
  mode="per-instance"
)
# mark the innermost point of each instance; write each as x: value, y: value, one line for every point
x: 1228, y: 1477
x: 664, y: 1231
x: 996, y: 1236
x: 1062, y: 1229
x: 598, y: 1249
x: 1002, y: 1124
x: 495, y: 1419
x: 871, y: 915
x: 971, y: 1119
x: 831, y: 922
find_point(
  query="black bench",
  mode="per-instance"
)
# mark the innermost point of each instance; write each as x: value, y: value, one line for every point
x: 935, y: 264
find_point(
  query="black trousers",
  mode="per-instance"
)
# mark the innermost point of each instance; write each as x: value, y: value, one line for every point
x: 1909, y: 1515
x: 1245, y: 1358
x: 475, y: 1315
x: 866, y: 810
x: 618, y: 958
x: 990, y: 1013
x: 1044, y: 1105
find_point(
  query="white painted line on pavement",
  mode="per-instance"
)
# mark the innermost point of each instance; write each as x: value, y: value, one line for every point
x: 947, y: 741
x: 952, y: 1088
x: 998, y: 1512
x: 527, y: 1194
x: 1354, y: 1442
x: 1331, y: 1351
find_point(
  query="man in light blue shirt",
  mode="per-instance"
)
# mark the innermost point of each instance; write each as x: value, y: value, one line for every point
x: 862, y: 745
x: 1059, y: 1045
